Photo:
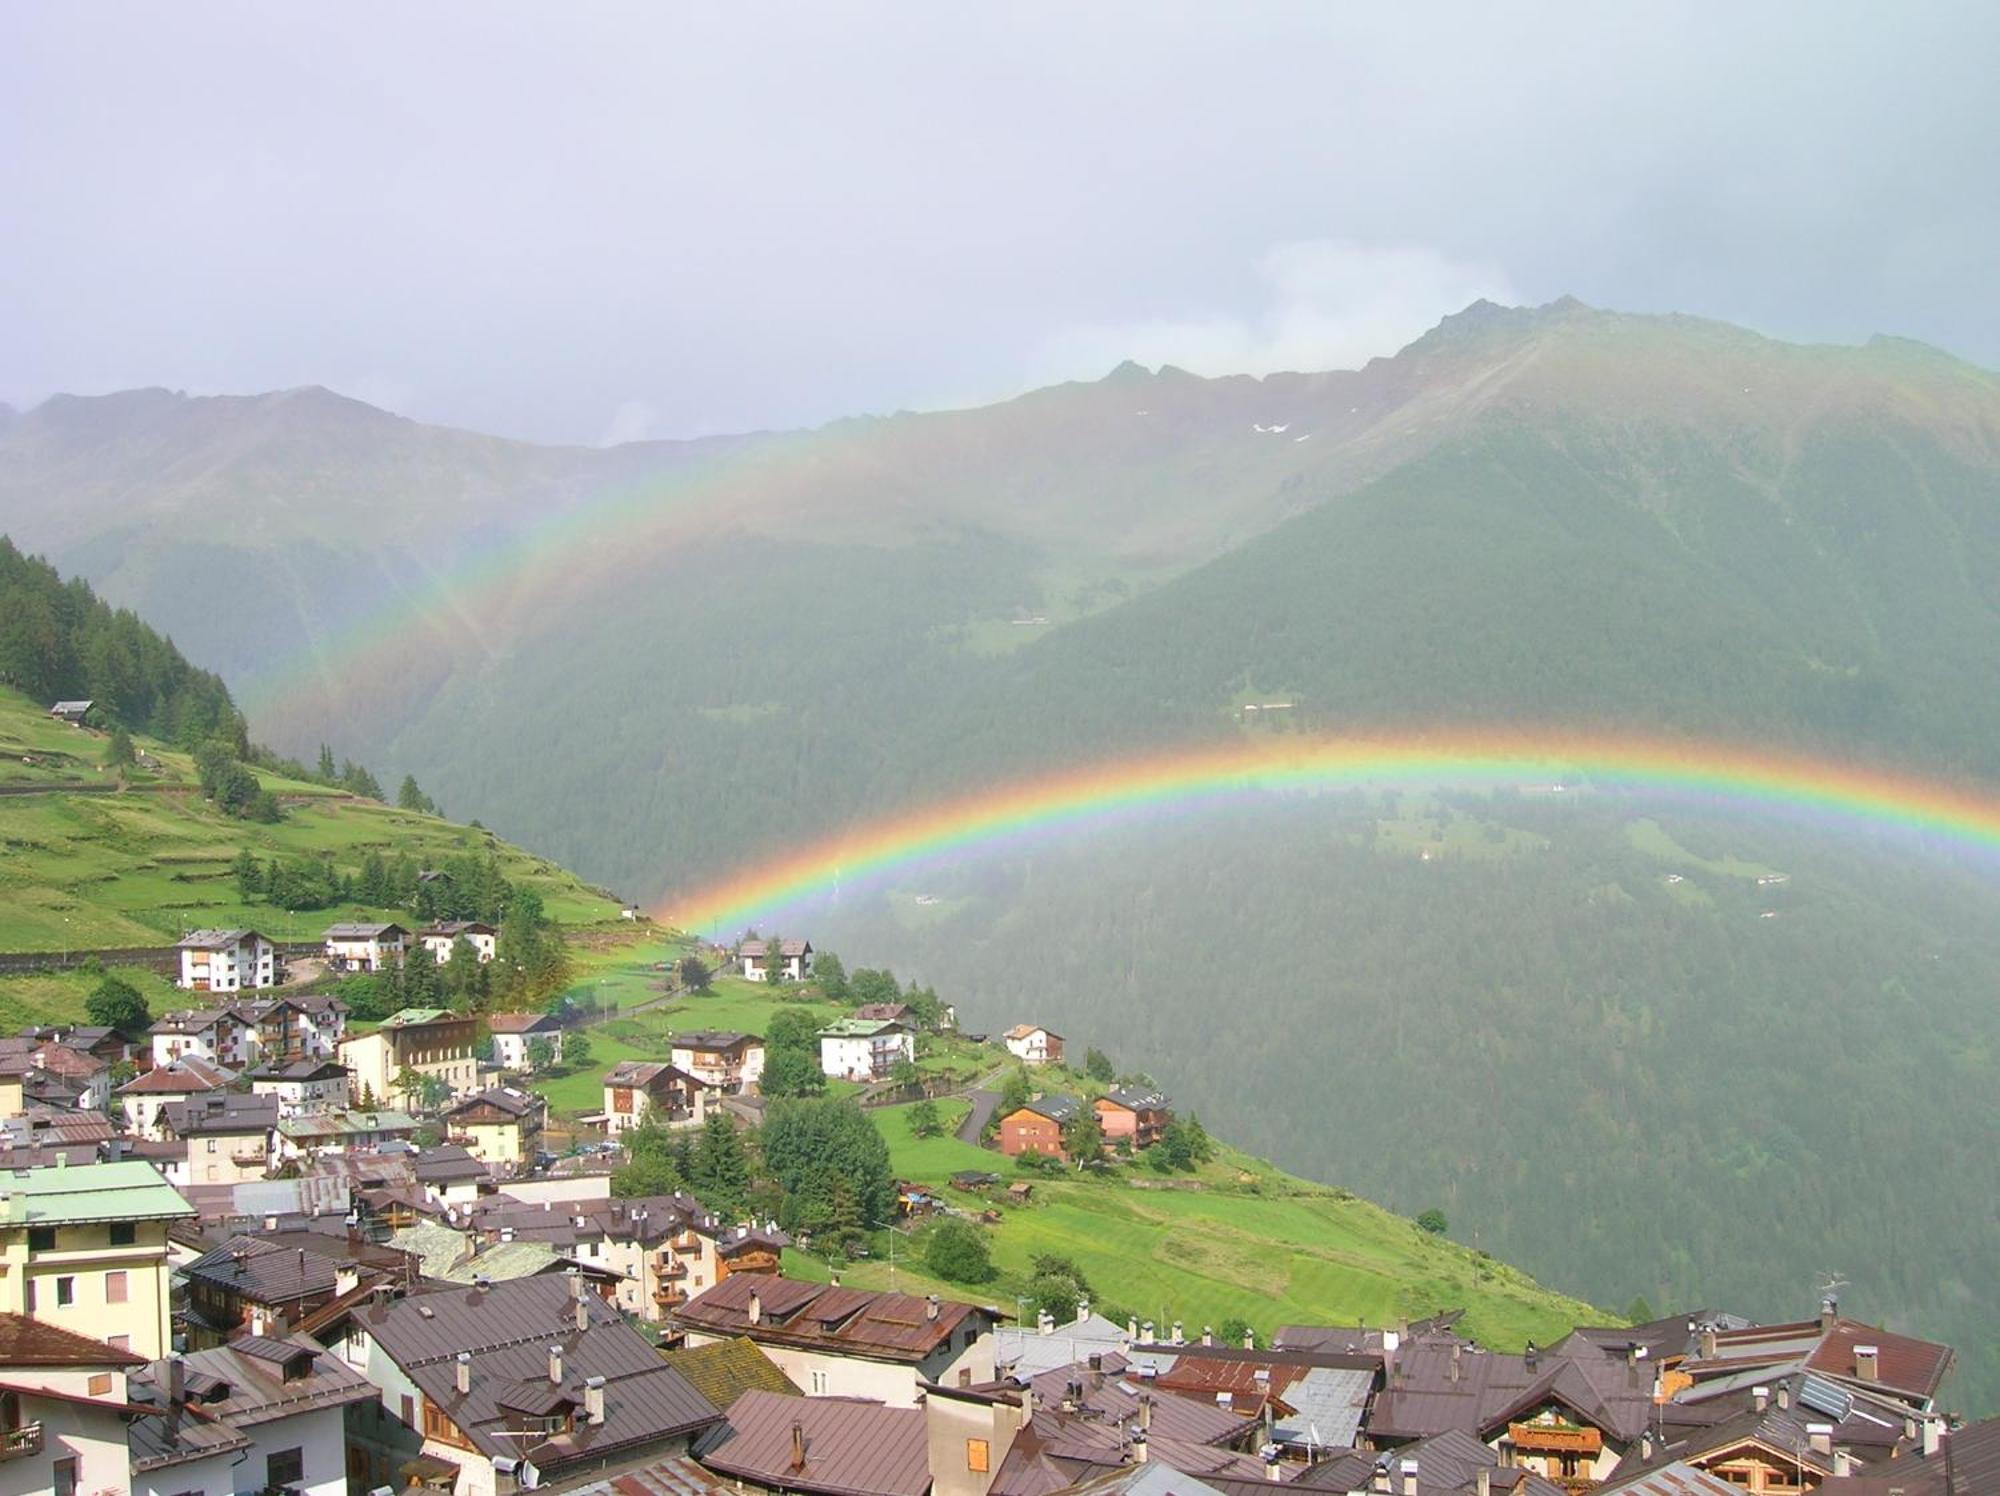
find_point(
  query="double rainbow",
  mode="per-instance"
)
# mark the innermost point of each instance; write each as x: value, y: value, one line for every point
x: 1759, y: 781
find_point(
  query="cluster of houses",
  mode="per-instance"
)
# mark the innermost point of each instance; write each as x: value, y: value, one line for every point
x: 396, y: 1322
x: 223, y: 961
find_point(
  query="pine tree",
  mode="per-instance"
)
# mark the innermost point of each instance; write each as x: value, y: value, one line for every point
x: 328, y: 774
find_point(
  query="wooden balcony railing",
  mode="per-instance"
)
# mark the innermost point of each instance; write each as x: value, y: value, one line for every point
x: 16, y: 1442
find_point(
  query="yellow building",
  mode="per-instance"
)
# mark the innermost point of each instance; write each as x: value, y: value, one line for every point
x: 84, y: 1248
x: 499, y: 1126
x: 427, y: 1041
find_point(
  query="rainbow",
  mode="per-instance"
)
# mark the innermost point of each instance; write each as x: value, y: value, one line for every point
x: 465, y: 605
x: 1075, y: 800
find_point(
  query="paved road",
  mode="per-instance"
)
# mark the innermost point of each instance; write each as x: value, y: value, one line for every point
x: 984, y: 1104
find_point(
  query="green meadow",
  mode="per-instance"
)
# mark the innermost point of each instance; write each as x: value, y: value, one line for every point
x: 1237, y: 1239
x: 146, y: 863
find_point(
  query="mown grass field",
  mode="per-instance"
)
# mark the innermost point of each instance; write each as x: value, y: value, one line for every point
x: 143, y: 866
x: 1237, y: 1239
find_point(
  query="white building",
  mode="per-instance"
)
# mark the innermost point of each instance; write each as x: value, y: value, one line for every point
x: 227, y: 961
x: 864, y: 1049
x: 215, y: 1035
x: 142, y: 1097
x: 794, y: 960
x: 303, y: 1086
x: 514, y: 1033
x: 364, y: 947
x: 63, y: 1412
x: 260, y: 1414
x: 440, y: 938
x: 1034, y: 1044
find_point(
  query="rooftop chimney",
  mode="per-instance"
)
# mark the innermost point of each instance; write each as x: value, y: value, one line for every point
x: 1145, y: 1412
x: 1784, y: 1396
x: 1454, y: 1360
x: 1179, y: 1337
x: 1131, y: 1329
x: 1045, y: 1323
x: 1379, y: 1481
x: 582, y: 1311
x: 1208, y: 1334
x: 1482, y: 1482
x: 555, y: 1364
x: 1249, y: 1338
x: 1646, y: 1447
x: 1272, y: 1465
x: 1819, y: 1438
x: 575, y: 1279
x: 1146, y: 1332
x: 593, y: 1399
x: 1843, y: 1464
x: 1409, y: 1478
x: 1531, y: 1355
x: 1867, y: 1362
x: 1082, y: 1310
x: 756, y: 1312
x: 1708, y: 1344
x: 464, y: 1374
x: 1829, y: 1312
x: 931, y: 1306
x: 798, y: 1446
x: 1933, y: 1428
x: 1760, y: 1398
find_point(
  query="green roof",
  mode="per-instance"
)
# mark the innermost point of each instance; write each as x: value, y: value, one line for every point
x: 341, y: 1124
x: 131, y: 1190
x: 724, y: 1371
x: 410, y: 1016
x: 857, y: 1028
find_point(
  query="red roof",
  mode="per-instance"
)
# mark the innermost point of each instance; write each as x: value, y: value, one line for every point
x: 1902, y: 1362
x: 30, y: 1342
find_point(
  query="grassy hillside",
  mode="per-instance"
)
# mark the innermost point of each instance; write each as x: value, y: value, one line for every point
x: 140, y: 865
x: 1237, y: 1240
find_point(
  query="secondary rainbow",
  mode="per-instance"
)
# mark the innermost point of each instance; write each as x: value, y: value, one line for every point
x: 1751, y: 779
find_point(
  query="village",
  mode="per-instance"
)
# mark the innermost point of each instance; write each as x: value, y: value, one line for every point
x: 294, y: 1252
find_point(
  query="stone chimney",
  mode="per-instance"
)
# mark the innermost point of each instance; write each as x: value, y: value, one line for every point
x: 1179, y: 1337
x: 1131, y: 1329
x: 581, y: 1310
x: 555, y: 1364
x: 1208, y: 1334
x: 593, y: 1399
x: 1409, y: 1478
x: 1082, y: 1310
x: 1760, y: 1398
x: 1045, y: 1323
x: 1146, y: 1332
x: 1829, y: 1313
x: 1819, y: 1438
x: 1868, y: 1362
x: 756, y: 1310
x: 798, y: 1446
x: 931, y: 1306
x: 1708, y: 1344
x: 463, y: 1375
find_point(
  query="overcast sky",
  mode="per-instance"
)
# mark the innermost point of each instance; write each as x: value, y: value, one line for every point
x: 593, y: 222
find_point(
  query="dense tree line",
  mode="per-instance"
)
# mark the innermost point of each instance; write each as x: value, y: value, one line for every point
x: 58, y: 640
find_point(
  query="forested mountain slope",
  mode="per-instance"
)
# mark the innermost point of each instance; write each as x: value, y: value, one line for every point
x: 1541, y: 517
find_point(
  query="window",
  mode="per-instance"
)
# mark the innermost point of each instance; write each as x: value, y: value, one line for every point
x: 124, y: 1233
x: 409, y: 1410
x: 65, y: 1291
x: 41, y: 1238
x: 819, y: 1384
x: 100, y: 1384
x: 976, y: 1456
x: 65, y: 1474
x: 119, y: 1342
x: 211, y: 1145
x: 285, y: 1467
x: 114, y: 1288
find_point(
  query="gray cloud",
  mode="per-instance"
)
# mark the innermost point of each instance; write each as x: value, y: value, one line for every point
x: 568, y: 222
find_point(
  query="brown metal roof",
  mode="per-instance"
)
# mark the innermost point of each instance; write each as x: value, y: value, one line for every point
x: 848, y: 1321
x: 851, y: 1448
x: 508, y: 1329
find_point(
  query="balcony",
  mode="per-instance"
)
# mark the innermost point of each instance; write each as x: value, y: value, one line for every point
x: 670, y: 1298
x: 25, y: 1440
x: 670, y: 1269
x: 1555, y: 1438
